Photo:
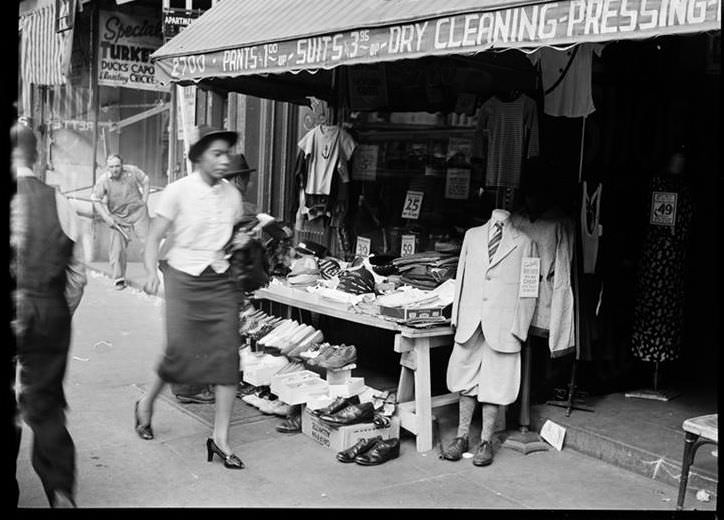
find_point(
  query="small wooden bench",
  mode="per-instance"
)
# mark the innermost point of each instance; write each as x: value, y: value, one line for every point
x: 699, y: 431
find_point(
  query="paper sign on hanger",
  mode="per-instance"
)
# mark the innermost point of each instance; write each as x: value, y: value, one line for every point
x: 457, y: 183
x: 407, y: 246
x: 554, y: 434
x: 413, y: 204
x: 663, y: 208
x: 364, y: 245
x: 529, y: 277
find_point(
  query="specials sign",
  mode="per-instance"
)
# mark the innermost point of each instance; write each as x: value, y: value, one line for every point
x: 125, y: 45
x: 551, y: 23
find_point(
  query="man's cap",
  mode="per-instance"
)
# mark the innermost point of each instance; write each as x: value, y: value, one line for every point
x: 238, y: 164
x: 202, y: 135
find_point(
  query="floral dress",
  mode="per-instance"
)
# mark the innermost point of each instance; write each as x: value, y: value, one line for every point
x: 660, y: 290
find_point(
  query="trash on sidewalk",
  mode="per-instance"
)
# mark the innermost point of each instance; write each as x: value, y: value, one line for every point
x: 103, y: 346
x: 703, y: 495
x: 81, y: 359
x: 553, y: 434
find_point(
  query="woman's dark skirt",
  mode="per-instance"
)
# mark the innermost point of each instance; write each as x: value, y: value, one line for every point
x: 202, y: 328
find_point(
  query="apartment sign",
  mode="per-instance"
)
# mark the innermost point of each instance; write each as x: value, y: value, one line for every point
x: 551, y: 23
x: 125, y: 45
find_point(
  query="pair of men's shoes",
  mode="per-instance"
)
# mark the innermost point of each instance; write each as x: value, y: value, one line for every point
x: 352, y: 414
x: 335, y: 406
x: 204, y: 397
x: 293, y: 424
x: 483, y: 455
x: 335, y: 356
x: 371, y: 452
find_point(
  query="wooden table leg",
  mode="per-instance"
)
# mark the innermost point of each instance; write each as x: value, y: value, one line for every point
x: 423, y: 394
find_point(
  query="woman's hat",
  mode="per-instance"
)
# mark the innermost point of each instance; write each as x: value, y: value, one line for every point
x: 202, y: 135
x: 238, y: 164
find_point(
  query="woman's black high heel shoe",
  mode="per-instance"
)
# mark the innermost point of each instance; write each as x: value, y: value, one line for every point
x: 231, y: 461
x: 144, y: 431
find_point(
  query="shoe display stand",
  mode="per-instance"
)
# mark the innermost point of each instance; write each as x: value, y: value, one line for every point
x: 415, y: 400
x: 342, y: 383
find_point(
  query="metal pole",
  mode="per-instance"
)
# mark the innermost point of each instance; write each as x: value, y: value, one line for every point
x: 172, y: 134
x: 94, y: 86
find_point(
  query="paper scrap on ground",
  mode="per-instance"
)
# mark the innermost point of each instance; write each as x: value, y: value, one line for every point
x: 553, y: 434
x: 80, y: 358
x: 703, y: 495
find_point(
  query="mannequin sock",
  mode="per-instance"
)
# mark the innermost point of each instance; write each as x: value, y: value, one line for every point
x: 490, y: 414
x: 467, y: 408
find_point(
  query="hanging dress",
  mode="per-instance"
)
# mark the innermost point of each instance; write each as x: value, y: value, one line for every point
x: 660, y: 290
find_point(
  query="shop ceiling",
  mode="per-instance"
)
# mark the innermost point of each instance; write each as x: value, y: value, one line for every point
x: 289, y: 49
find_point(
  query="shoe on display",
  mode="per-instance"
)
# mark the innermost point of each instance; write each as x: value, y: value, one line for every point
x: 335, y: 406
x: 280, y: 408
x: 454, y: 451
x: 484, y: 454
x: 342, y: 357
x: 291, y: 425
x: 353, y: 414
x: 360, y: 447
x: 205, y: 397
x: 381, y: 452
x: 323, y: 354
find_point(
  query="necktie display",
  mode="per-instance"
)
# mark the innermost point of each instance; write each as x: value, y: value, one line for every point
x: 494, y: 241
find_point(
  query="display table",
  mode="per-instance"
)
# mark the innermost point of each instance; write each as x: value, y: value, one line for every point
x: 415, y: 400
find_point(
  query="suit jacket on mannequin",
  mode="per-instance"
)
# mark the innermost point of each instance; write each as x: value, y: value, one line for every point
x: 486, y: 292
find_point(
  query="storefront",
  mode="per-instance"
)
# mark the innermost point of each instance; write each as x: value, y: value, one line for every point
x: 422, y: 99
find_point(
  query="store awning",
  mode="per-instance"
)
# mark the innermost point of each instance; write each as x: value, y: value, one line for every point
x: 256, y: 37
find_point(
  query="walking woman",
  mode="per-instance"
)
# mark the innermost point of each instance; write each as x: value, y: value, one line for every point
x: 198, y: 212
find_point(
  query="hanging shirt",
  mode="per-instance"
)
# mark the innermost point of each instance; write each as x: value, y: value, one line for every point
x: 572, y: 97
x: 512, y: 128
x: 123, y: 194
x: 203, y: 218
x: 324, y: 146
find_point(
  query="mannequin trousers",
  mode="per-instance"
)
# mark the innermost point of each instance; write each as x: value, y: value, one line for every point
x: 476, y: 369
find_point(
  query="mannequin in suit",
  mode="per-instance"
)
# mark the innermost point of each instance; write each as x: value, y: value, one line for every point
x: 491, y: 321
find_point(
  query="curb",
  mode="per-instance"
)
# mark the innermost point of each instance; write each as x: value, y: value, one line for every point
x: 625, y: 456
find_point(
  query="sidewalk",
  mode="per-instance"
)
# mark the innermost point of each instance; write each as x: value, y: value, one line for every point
x: 117, y: 339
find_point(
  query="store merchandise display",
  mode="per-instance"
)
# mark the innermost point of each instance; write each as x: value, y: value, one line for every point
x: 428, y: 269
x: 356, y: 280
x: 371, y: 451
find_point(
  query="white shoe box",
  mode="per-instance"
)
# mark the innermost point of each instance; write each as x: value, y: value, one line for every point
x: 353, y: 386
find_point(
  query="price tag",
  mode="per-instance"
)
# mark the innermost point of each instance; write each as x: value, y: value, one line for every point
x: 413, y: 204
x: 663, y: 208
x: 529, y: 277
x: 407, y: 246
x: 457, y: 183
x: 363, y: 246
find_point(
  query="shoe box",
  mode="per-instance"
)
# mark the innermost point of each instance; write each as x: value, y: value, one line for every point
x: 343, y: 437
x: 301, y: 389
x: 342, y: 384
x: 260, y: 371
x: 415, y: 313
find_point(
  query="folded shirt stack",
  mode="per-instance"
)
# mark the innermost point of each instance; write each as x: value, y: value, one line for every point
x: 304, y: 272
x: 426, y: 270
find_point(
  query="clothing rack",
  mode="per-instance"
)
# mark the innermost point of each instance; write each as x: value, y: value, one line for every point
x: 571, y: 403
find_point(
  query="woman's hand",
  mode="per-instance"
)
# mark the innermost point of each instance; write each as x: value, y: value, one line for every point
x: 152, y: 283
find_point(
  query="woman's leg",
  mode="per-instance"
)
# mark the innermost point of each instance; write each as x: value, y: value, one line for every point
x: 145, y: 404
x: 225, y: 397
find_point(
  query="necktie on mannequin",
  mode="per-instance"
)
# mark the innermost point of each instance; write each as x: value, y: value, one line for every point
x: 495, y: 239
